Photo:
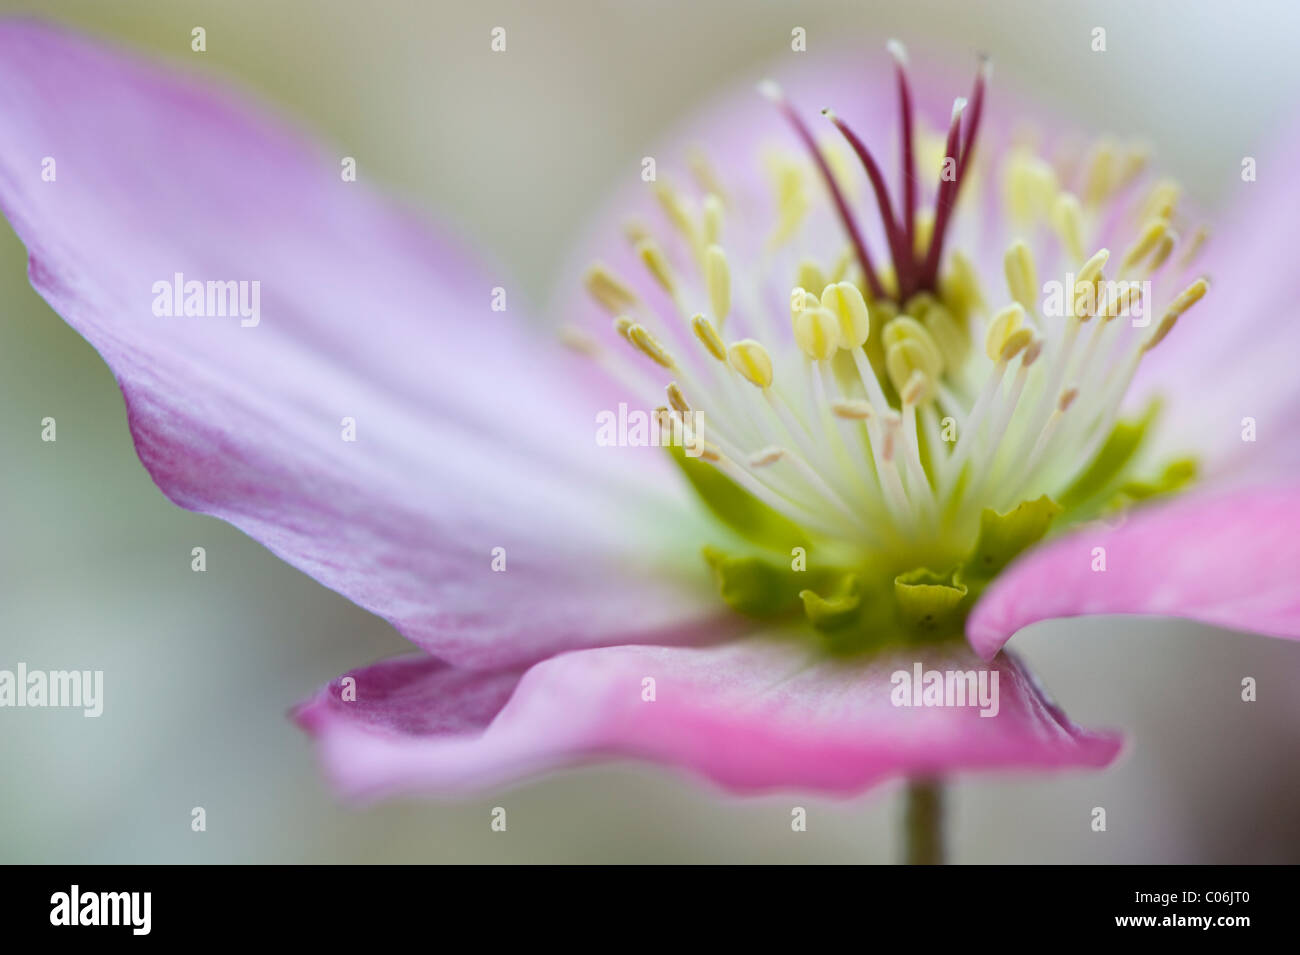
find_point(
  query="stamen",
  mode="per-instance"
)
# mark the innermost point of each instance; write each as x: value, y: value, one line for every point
x: 646, y: 343
x: 608, y: 290
x: 773, y: 92
x: 709, y: 337
x: 1185, y: 300
x: 718, y: 279
x: 657, y: 263
x: 752, y: 361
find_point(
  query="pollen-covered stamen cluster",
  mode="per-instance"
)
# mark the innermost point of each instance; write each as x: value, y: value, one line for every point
x: 889, y: 407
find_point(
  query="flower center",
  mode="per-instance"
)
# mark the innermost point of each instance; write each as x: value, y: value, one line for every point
x: 912, y: 433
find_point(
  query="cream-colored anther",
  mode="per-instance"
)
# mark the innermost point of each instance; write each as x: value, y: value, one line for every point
x: 676, y: 209
x: 903, y: 360
x: 852, y: 409
x: 1090, y: 271
x: 1067, y: 220
x: 1017, y: 341
x: 1004, y: 324
x: 906, y: 330
x: 1126, y: 301
x: 1022, y: 274
x: 1146, y: 243
x: 709, y: 337
x: 765, y: 457
x: 657, y: 263
x: 1066, y: 398
x: 844, y: 300
x: 1161, y: 255
x: 606, y: 288
x: 817, y: 333
x: 676, y: 398
x: 623, y: 325
x: 960, y: 287
x: 752, y: 361
x: 1103, y: 169
x: 1185, y: 300
x: 811, y: 276
x: 710, y: 452
x: 717, y: 275
x: 713, y: 218
x: 649, y: 346
x: 1161, y: 201
x: 579, y: 341
x: 706, y: 176
x: 1030, y: 188
x: 953, y: 342
x: 1032, y: 351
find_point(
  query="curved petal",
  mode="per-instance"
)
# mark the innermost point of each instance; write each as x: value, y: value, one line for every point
x: 1230, y: 559
x: 750, y: 715
x: 470, y: 435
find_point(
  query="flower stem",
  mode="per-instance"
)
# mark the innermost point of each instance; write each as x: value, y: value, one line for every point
x: 923, y: 822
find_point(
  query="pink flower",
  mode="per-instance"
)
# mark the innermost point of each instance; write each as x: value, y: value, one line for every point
x: 885, y: 424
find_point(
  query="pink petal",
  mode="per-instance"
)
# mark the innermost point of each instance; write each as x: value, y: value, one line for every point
x: 1233, y: 356
x: 752, y: 715
x: 471, y: 434
x: 1230, y: 558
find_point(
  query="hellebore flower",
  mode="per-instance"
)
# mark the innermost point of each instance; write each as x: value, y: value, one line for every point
x: 894, y: 439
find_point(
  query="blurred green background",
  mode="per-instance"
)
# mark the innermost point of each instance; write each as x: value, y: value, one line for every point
x: 518, y: 151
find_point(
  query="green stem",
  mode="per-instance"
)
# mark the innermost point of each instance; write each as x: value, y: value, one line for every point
x: 923, y: 822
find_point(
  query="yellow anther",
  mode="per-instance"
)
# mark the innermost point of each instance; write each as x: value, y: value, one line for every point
x: 792, y: 201
x: 606, y: 288
x: 811, y: 276
x: 765, y: 457
x: 1090, y: 271
x: 1022, y: 274
x: 1018, y: 341
x: 657, y: 263
x: 1126, y: 301
x: 1004, y: 324
x: 1103, y: 172
x: 844, y: 300
x: 710, y: 452
x: 578, y: 340
x: 705, y: 175
x: 752, y: 361
x: 904, y: 361
x: 1066, y: 398
x: 1163, y: 251
x: 1030, y: 188
x: 717, y: 275
x: 1185, y: 300
x: 634, y: 230
x: 1067, y: 220
x: 678, y: 211
x: 1199, y: 239
x: 676, y: 399
x: 623, y: 325
x: 1149, y: 239
x: 960, y: 287
x: 952, y: 340
x: 649, y: 346
x: 709, y: 337
x: 817, y: 333
x: 1160, y: 201
x: 906, y: 330
x: 853, y: 409
x: 713, y: 215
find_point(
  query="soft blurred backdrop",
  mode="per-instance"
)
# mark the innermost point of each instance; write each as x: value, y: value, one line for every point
x: 517, y: 150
